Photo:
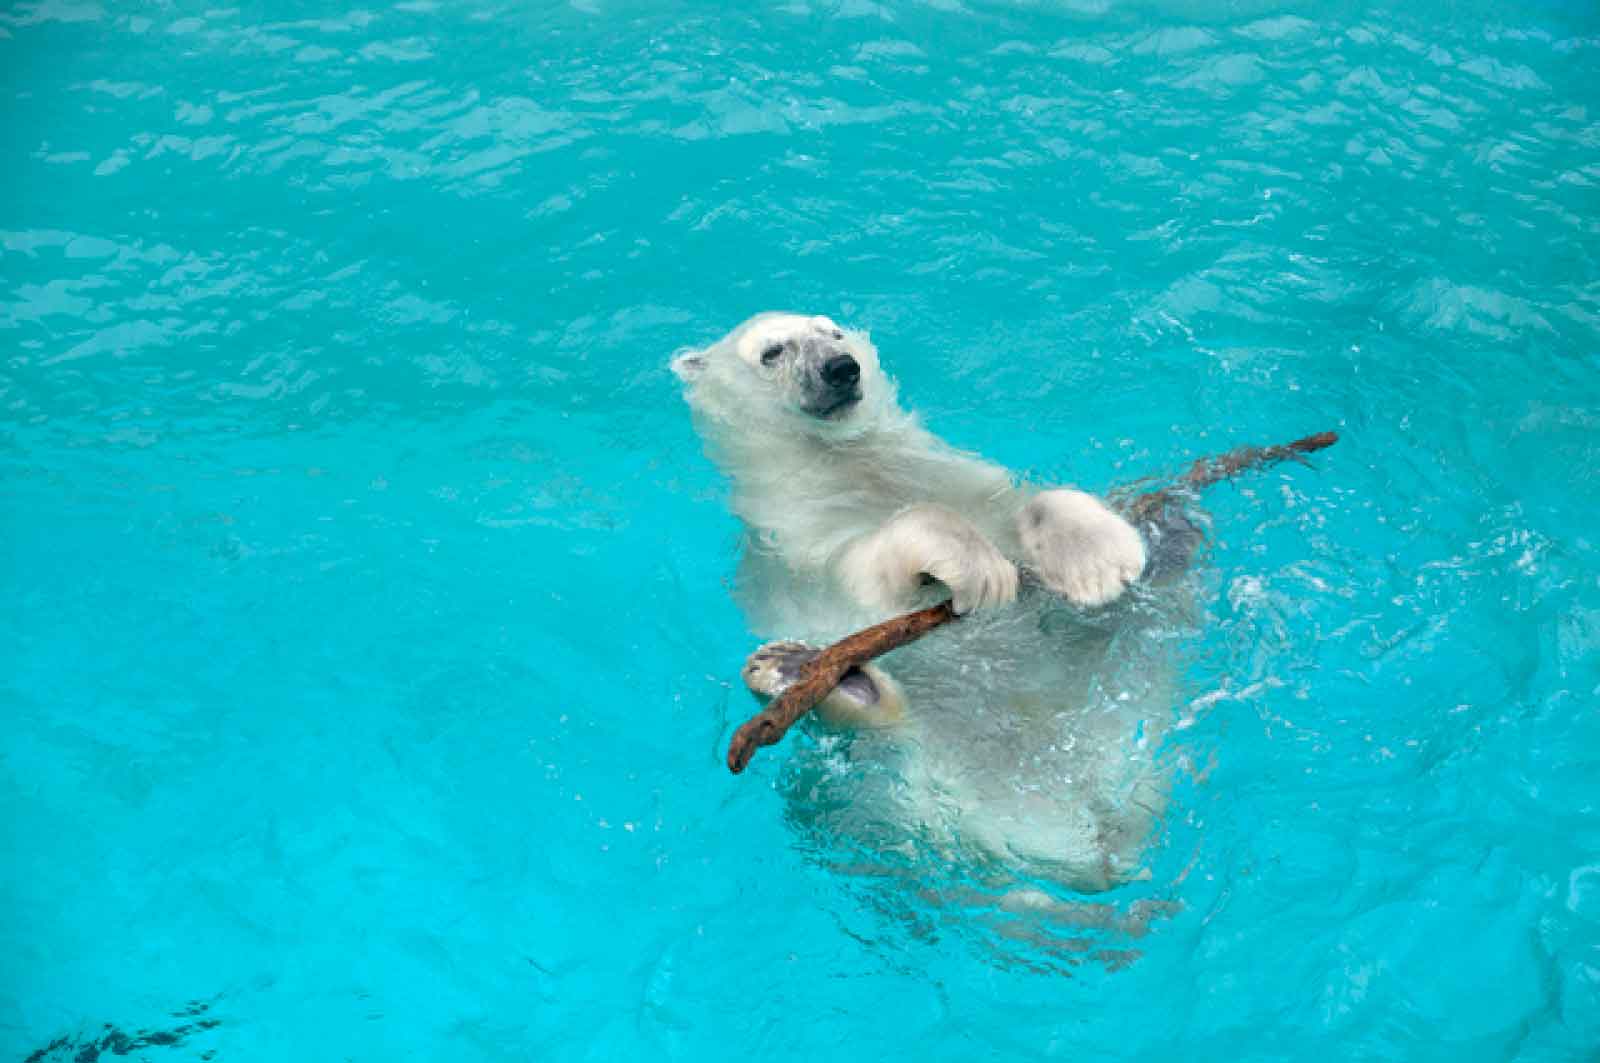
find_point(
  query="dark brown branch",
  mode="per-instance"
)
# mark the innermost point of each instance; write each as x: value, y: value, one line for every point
x: 1208, y: 471
x: 822, y: 673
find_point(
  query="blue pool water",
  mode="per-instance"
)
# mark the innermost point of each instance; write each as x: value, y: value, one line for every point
x: 369, y: 653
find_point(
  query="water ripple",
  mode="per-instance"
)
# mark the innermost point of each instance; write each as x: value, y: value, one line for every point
x: 361, y: 547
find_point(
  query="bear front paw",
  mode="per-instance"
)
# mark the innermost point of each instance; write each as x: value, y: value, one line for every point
x: 886, y: 570
x: 981, y: 581
x: 1079, y: 548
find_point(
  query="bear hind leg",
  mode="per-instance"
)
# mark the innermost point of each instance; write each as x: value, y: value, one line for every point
x: 866, y: 697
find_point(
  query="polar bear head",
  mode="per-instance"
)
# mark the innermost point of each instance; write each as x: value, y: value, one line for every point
x: 788, y: 372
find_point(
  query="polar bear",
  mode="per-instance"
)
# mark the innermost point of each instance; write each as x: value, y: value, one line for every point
x: 1024, y: 735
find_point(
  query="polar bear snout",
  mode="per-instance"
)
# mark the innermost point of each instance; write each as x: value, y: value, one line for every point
x: 841, y: 371
x: 833, y: 382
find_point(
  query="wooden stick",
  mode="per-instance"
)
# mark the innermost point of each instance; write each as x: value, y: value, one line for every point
x: 822, y: 673
x: 1208, y: 471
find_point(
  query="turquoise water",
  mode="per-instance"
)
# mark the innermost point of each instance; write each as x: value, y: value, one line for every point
x: 370, y: 652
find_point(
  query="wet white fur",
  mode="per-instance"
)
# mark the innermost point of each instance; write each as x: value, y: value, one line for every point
x: 868, y: 502
x: 1021, y: 739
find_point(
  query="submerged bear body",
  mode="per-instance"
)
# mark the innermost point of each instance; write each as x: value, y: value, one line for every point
x: 1027, y: 733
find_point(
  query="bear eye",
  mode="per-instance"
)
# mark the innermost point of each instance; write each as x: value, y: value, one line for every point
x: 771, y: 355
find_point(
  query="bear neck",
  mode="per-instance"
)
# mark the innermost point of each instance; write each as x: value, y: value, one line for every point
x: 807, y: 494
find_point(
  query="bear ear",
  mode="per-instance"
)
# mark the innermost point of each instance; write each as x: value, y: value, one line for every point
x: 688, y: 364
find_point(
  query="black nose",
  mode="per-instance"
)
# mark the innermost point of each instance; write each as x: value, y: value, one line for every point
x: 841, y: 371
